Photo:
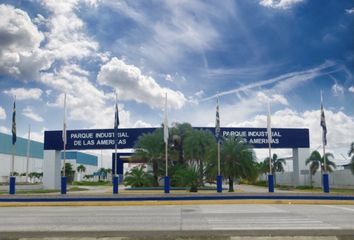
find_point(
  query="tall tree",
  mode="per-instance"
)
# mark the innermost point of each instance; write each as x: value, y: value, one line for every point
x: 179, y: 132
x: 350, y: 153
x: 237, y: 161
x: 150, y: 148
x: 316, y: 162
x: 196, y: 146
x: 81, y: 168
x: 277, y: 165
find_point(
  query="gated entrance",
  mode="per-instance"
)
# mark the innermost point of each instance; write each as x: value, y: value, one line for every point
x: 95, y: 139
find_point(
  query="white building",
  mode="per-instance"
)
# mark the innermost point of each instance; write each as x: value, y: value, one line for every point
x: 35, y: 163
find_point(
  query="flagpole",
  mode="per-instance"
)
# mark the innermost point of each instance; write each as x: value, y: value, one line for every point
x: 165, y: 138
x: 13, y: 141
x: 64, y: 135
x: 115, y: 150
x: 12, y: 183
x: 323, y: 140
x: 28, y: 150
x: 269, y: 141
x: 325, y: 177
x: 64, y: 138
x: 217, y: 135
x: 116, y: 124
x: 269, y: 132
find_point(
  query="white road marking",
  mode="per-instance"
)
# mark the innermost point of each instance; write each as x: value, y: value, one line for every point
x: 342, y: 208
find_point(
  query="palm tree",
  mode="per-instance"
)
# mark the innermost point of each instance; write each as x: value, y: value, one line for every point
x: 81, y: 168
x: 150, y: 148
x: 237, y: 161
x: 137, y: 177
x: 102, y: 172
x: 179, y: 132
x: 277, y: 165
x: 316, y: 162
x: 351, y: 152
x: 196, y: 146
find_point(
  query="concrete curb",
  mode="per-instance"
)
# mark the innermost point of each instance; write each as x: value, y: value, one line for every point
x: 187, y: 202
x: 119, y: 200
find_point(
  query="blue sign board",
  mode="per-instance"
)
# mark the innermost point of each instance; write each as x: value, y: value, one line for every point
x: 104, y: 138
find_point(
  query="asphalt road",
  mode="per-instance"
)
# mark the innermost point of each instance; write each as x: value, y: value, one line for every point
x: 204, y: 221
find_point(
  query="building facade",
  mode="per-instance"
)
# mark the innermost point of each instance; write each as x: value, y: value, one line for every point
x: 35, y: 159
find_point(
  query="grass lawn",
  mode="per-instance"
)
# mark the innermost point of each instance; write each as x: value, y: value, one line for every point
x: 87, y: 183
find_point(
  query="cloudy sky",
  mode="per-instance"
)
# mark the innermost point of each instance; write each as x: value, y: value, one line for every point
x: 249, y: 52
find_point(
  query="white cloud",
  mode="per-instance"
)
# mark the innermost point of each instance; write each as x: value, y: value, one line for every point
x: 36, y: 136
x: 337, y: 89
x: 85, y: 102
x: 28, y: 112
x: 280, y: 4
x: 199, y: 94
x: 66, y: 38
x: 286, y: 82
x: 351, y: 89
x: 141, y: 124
x: 2, y: 113
x: 275, y: 98
x: 4, y: 130
x: 350, y: 11
x: 169, y: 78
x: 133, y: 85
x: 24, y: 94
x: 20, y: 39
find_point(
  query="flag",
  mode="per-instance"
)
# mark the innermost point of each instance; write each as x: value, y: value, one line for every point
x: 217, y: 121
x: 64, y: 122
x: 165, y: 123
x: 116, y: 124
x: 269, y: 128
x: 323, y: 124
x: 14, y: 138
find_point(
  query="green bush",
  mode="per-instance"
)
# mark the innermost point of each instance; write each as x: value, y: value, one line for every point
x: 88, y: 183
x: 185, y: 176
x: 262, y: 183
x: 137, y: 177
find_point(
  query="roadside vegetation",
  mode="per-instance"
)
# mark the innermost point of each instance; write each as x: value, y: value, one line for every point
x: 192, y: 159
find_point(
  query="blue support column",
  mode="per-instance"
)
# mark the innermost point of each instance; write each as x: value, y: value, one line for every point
x: 219, y: 183
x: 115, y: 184
x: 325, y: 180
x: 12, y: 185
x: 63, y: 185
x: 270, y: 183
x: 167, y: 184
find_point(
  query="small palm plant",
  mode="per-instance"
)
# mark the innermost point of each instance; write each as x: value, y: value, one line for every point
x: 186, y: 176
x: 138, y: 177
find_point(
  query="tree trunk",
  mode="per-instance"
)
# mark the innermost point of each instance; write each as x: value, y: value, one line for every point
x: 231, y: 185
x: 201, y: 173
x: 155, y: 170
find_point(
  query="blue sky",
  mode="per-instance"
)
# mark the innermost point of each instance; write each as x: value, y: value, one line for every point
x: 250, y: 52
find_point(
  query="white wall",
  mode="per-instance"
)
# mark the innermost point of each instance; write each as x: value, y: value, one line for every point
x: 340, y: 178
x: 35, y: 165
